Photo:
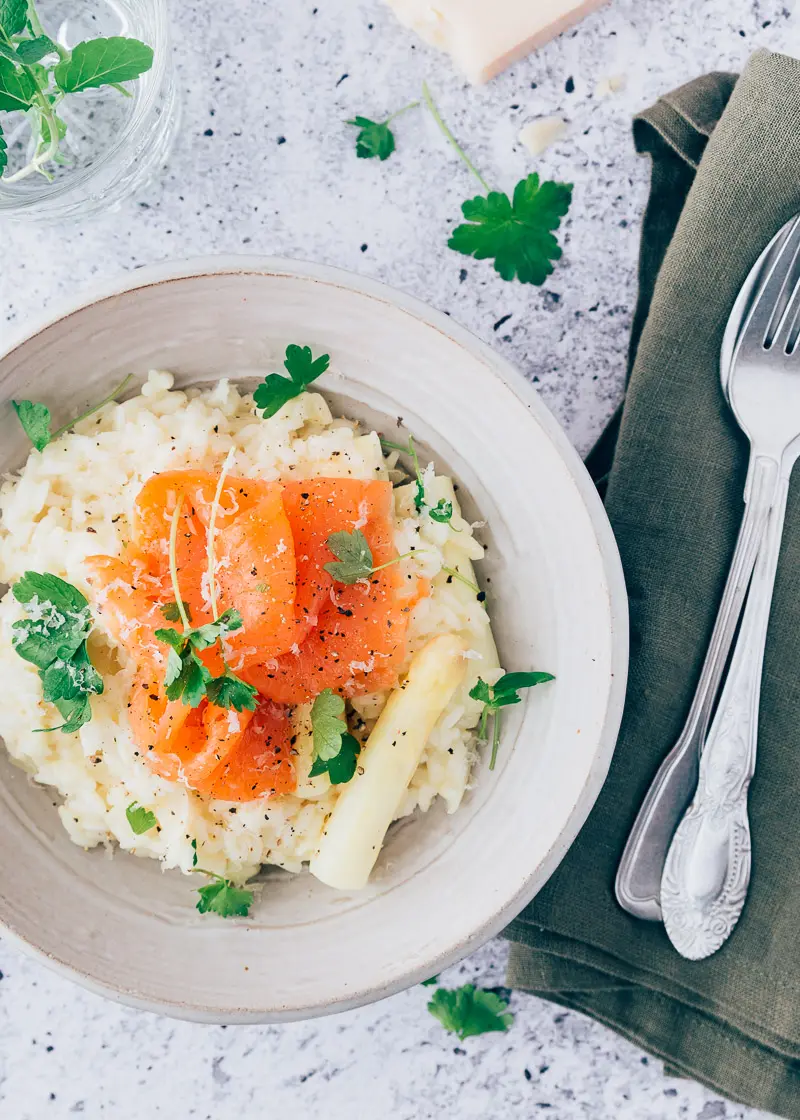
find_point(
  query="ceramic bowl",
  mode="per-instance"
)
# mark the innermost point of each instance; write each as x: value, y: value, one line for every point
x: 444, y: 884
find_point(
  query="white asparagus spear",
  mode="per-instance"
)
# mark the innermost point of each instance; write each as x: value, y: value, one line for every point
x: 355, y: 832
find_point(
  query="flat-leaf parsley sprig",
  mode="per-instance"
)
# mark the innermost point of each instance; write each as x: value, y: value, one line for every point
x: 500, y: 695
x: 336, y: 751
x: 276, y: 390
x: 187, y: 678
x: 223, y: 897
x: 140, y: 819
x: 375, y: 138
x: 37, y: 73
x: 36, y: 420
x: 53, y: 638
x: 518, y: 233
x: 470, y: 1011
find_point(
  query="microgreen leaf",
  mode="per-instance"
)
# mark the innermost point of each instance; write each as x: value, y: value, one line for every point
x: 441, y: 512
x: 228, y: 691
x: 353, y: 556
x: 17, y: 87
x: 13, y: 16
x: 32, y: 50
x: 103, y: 62
x: 35, y: 418
x: 375, y: 138
x: 35, y: 421
x: 470, y: 1011
x: 275, y: 390
x: 515, y: 235
x: 171, y: 611
x: 140, y: 819
x: 500, y: 695
x: 224, y: 898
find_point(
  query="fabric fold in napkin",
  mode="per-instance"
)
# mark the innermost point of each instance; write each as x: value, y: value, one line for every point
x: 726, y: 176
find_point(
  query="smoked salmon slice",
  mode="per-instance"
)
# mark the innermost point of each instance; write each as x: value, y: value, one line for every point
x: 302, y: 630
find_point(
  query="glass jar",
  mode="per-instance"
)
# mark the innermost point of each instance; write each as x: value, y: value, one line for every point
x: 113, y: 143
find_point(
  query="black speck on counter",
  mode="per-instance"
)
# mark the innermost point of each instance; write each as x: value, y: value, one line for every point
x: 569, y: 85
x: 342, y: 79
x: 364, y: 247
x: 281, y: 139
x: 209, y: 132
x: 462, y: 275
x: 500, y: 322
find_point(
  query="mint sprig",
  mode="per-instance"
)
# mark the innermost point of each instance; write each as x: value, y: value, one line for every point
x: 37, y: 73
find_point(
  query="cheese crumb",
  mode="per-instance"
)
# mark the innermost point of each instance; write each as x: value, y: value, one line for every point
x: 537, y: 136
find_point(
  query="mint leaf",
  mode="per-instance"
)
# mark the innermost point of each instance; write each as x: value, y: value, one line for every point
x: 375, y: 138
x: 34, y: 418
x: 223, y: 898
x: 17, y: 87
x: 141, y: 820
x: 32, y: 50
x: 102, y: 62
x: 228, y: 691
x: 275, y: 390
x: 13, y: 16
x: 515, y: 235
x: 470, y: 1011
x: 353, y: 556
x: 341, y: 768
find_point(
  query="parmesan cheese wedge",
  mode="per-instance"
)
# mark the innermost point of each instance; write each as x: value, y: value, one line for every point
x: 484, y: 37
x: 352, y: 839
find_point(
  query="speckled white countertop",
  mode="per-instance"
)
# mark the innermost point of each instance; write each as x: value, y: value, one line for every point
x: 264, y: 165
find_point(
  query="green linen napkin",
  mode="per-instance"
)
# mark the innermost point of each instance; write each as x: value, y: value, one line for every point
x: 726, y: 176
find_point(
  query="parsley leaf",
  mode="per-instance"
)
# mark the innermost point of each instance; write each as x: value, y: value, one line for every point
x: 53, y: 638
x: 171, y: 611
x: 228, y: 691
x: 328, y: 724
x: 58, y: 619
x: 430, y: 981
x: 470, y: 1011
x: 275, y: 390
x: 375, y: 138
x: 353, y: 556
x: 35, y: 420
x: 140, y: 819
x: 441, y: 512
x: 515, y: 235
x: 341, y: 768
x: 189, y: 680
x: 223, y: 897
x: 500, y: 695
x: 336, y: 751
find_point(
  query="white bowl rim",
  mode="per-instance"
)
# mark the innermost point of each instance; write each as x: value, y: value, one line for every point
x: 232, y: 263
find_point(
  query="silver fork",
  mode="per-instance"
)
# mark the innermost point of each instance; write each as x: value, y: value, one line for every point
x: 638, y: 882
x: 707, y: 870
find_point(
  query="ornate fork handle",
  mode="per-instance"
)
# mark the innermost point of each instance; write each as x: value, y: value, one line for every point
x: 707, y: 871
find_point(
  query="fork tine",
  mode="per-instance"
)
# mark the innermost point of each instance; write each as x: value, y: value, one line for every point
x: 788, y: 341
x: 769, y: 309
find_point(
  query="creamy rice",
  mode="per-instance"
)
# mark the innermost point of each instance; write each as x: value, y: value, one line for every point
x: 76, y: 498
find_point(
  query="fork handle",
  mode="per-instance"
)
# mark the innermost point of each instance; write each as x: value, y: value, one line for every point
x: 707, y: 871
x: 638, y: 882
